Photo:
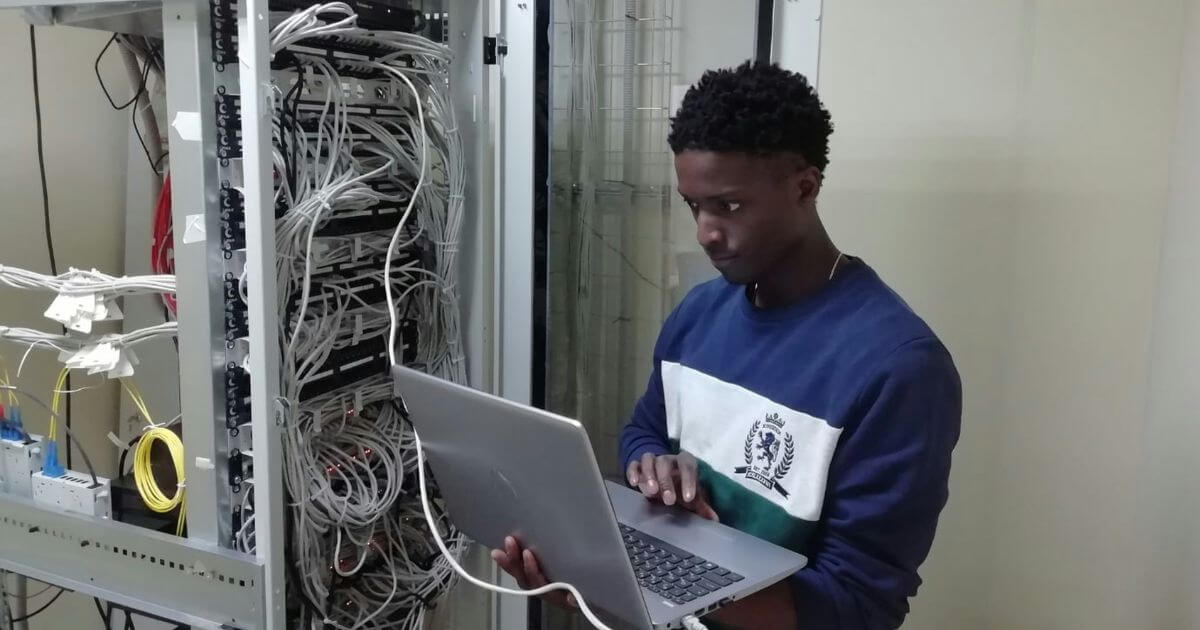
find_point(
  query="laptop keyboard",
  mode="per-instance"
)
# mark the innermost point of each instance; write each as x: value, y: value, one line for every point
x: 672, y: 572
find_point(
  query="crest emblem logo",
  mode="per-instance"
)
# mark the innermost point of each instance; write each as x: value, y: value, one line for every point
x: 769, y: 451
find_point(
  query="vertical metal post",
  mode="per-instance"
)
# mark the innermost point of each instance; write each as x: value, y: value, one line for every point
x: 764, y: 30
x: 632, y: 173
x: 514, y: 271
x: 629, y: 169
x: 191, y: 115
x: 668, y: 245
x: 264, y: 357
x: 20, y: 607
x: 516, y: 185
x: 473, y: 108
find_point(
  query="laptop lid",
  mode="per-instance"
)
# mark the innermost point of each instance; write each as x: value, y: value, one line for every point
x: 508, y: 469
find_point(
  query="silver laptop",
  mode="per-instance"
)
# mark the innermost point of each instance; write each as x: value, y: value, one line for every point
x: 509, y: 469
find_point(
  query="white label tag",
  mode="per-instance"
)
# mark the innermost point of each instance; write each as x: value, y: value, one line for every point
x: 187, y: 125
x: 61, y: 310
x: 122, y: 369
x: 194, y: 231
x: 108, y: 310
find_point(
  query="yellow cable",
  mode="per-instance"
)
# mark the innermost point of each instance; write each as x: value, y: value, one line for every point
x: 143, y: 474
x: 136, y: 396
x: 54, y: 402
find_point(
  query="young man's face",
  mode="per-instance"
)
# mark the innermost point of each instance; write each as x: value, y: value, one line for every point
x: 750, y: 211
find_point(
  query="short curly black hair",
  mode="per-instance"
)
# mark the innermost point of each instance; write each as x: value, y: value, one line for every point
x: 756, y: 108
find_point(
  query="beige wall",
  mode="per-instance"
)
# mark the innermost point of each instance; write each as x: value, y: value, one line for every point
x: 85, y: 145
x: 1171, y: 500
x: 1004, y: 165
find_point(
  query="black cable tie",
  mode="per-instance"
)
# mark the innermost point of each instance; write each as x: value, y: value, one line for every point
x: 429, y: 603
x: 402, y: 409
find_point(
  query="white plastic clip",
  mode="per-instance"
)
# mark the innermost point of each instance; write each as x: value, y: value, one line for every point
x: 112, y: 437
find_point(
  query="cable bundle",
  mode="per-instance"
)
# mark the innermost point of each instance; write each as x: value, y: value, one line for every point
x: 69, y: 343
x: 370, y: 174
x: 104, y: 353
x: 162, y: 249
x: 76, y: 282
x: 85, y: 297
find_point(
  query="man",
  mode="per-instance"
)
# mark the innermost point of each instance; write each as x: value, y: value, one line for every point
x: 796, y: 398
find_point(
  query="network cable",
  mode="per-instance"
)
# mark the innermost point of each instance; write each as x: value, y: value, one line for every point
x: 371, y: 203
x: 41, y: 157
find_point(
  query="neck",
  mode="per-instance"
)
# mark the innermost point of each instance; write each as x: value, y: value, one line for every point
x: 799, y: 275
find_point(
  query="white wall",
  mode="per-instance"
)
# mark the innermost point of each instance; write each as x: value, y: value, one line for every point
x: 85, y: 166
x: 1003, y: 165
x: 1171, y: 505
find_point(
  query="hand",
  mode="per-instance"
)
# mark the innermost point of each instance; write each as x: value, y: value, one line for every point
x: 523, y: 566
x: 671, y: 479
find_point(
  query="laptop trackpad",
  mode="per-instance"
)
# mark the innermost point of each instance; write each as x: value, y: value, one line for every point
x: 725, y: 546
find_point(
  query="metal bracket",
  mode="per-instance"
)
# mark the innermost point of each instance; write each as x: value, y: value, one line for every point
x: 493, y: 48
x: 39, y: 15
x: 185, y: 581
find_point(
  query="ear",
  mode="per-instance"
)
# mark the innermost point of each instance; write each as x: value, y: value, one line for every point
x: 808, y: 183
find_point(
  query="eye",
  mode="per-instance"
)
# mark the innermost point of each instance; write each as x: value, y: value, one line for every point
x: 731, y: 206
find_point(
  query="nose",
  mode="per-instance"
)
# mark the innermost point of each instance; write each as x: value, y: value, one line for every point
x: 709, y: 233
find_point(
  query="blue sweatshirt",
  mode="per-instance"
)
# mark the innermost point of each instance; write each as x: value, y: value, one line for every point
x: 825, y: 427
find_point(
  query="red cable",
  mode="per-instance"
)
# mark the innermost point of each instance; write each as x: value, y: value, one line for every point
x: 162, y: 258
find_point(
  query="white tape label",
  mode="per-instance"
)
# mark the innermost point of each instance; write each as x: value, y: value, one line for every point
x: 193, y: 231
x: 187, y: 125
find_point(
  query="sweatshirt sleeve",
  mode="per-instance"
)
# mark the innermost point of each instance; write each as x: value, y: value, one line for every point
x: 887, y: 485
x: 646, y: 431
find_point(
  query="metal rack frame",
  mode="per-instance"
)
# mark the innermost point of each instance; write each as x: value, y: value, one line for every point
x: 198, y: 580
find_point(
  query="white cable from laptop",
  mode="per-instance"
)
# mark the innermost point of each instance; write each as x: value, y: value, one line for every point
x: 690, y: 622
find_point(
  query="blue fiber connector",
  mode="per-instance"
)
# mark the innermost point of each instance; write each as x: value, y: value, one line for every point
x: 50, y: 465
x: 10, y: 427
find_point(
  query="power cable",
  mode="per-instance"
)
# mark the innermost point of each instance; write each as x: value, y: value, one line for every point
x: 41, y: 154
x: 103, y: 615
x: 39, y: 610
x: 100, y: 79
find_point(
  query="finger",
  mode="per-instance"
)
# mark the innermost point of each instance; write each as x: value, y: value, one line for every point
x: 663, y: 467
x: 647, y: 483
x: 687, y: 477
x: 704, y: 510
x: 631, y: 473
x: 513, y: 551
x: 501, y: 557
x: 506, y: 564
x: 533, y: 572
